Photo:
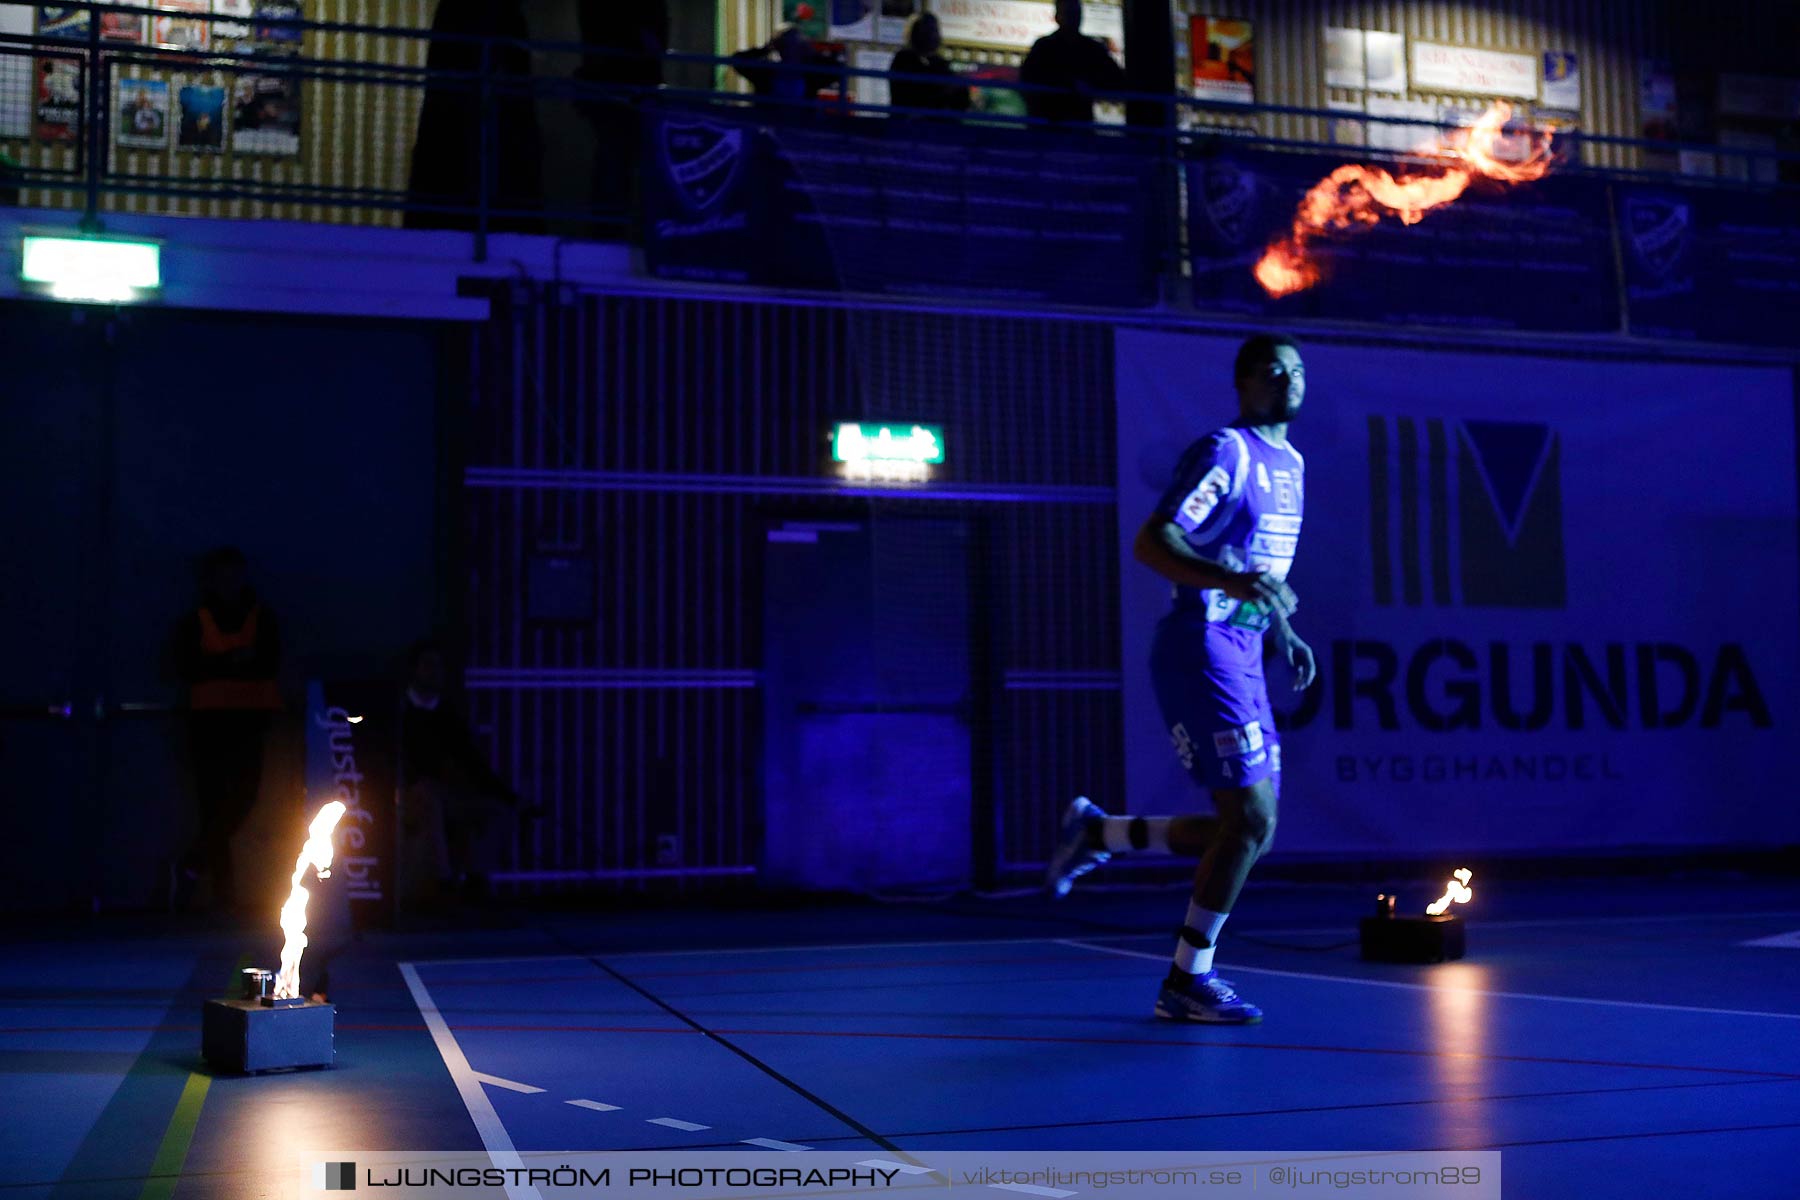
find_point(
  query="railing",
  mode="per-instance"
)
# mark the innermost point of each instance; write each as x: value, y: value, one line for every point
x: 327, y: 121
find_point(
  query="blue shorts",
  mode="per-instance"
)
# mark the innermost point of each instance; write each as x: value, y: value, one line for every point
x: 1215, y: 703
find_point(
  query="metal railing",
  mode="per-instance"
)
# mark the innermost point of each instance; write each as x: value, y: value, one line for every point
x: 356, y: 124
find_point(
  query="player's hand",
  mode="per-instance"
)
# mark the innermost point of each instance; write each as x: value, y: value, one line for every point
x: 1260, y: 587
x: 1299, y: 656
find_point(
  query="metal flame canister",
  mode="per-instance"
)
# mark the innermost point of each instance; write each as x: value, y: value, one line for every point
x: 258, y: 983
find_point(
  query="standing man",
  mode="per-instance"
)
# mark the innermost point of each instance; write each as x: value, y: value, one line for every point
x: 1066, y: 60
x: 1224, y: 536
x: 228, y: 652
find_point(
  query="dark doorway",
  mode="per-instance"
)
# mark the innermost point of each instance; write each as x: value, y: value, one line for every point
x: 868, y: 688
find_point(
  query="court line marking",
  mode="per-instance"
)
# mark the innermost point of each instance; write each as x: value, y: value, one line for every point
x: 1031, y: 1190
x: 1332, y: 929
x: 177, y: 1139
x: 677, y: 1123
x: 1426, y: 987
x: 501, y: 1151
x: 1784, y: 941
x: 775, y: 1144
x: 595, y: 1105
x: 439, y: 962
x: 509, y: 1084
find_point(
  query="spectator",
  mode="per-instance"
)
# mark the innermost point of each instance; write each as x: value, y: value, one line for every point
x: 1077, y: 65
x: 920, y: 57
x: 447, y: 155
x: 451, y: 799
x: 227, y: 651
x: 790, y: 80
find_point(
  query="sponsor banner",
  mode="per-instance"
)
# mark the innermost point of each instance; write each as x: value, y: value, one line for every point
x: 352, y: 743
x: 965, y: 211
x: 1527, y: 258
x: 1712, y: 266
x: 1506, y: 591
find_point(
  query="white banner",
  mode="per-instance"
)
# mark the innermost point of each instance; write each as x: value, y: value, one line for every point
x: 1438, y: 68
x: 1019, y: 23
x: 1554, y: 601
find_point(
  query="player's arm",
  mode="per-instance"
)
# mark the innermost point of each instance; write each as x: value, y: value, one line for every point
x: 1161, y: 545
x: 1298, y: 654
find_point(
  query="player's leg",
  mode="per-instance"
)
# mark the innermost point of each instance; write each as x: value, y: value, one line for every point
x: 1189, y: 695
x: 1192, y: 990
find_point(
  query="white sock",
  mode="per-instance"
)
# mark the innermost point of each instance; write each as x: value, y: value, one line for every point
x: 1144, y: 835
x: 1204, y: 925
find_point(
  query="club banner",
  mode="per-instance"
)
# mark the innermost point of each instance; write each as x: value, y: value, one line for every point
x: 351, y: 748
x: 1554, y: 601
x: 1711, y: 265
x: 1537, y: 257
x: 836, y: 204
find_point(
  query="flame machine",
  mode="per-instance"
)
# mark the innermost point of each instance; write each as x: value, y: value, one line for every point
x: 270, y: 1026
x: 1433, y: 938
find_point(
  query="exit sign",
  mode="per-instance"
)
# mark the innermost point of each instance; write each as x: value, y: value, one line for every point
x: 862, y: 442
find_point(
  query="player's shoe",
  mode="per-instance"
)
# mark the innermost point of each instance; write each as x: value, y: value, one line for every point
x: 1073, y: 857
x: 1208, y: 999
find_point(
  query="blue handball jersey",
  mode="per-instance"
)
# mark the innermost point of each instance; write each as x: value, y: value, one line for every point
x: 1238, y: 498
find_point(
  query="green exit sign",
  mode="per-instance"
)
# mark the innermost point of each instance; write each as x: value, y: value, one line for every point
x: 868, y: 444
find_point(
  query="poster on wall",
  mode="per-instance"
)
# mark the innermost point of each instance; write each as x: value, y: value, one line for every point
x: 1224, y: 59
x: 143, y: 121
x: 1344, y: 58
x: 18, y: 88
x: 278, y: 39
x: 125, y: 28
x: 1499, y: 669
x: 239, y: 12
x: 62, y: 22
x: 182, y: 33
x: 1384, y: 61
x: 1016, y: 24
x: 202, y: 117
x: 58, y: 99
x: 990, y: 92
x: 852, y: 20
x: 1562, y: 81
x: 265, y: 115
x: 871, y: 89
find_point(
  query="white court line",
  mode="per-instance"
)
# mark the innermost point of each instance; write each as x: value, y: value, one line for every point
x: 1030, y: 1189
x: 1478, y: 923
x: 595, y: 1105
x: 1348, y: 925
x: 1426, y: 987
x: 773, y: 1144
x: 509, y: 1084
x: 481, y: 1110
x: 676, y: 1123
x: 717, y: 950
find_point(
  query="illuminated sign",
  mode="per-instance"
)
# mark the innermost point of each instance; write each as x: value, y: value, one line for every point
x: 893, y: 453
x: 92, y: 269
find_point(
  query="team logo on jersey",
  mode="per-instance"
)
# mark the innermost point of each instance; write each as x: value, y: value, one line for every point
x: 1184, y: 746
x: 1496, y: 540
x: 1660, y: 231
x: 1262, y: 477
x: 1237, y: 742
x: 702, y: 160
x: 1200, y: 502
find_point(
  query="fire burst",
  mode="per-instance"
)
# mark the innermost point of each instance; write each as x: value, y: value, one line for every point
x: 1356, y: 197
x: 316, y: 854
x: 1458, y: 892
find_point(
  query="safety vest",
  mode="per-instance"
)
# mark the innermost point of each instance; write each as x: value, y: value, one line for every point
x: 232, y: 693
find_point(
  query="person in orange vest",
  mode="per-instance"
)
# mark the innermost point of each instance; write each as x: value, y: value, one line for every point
x: 227, y: 651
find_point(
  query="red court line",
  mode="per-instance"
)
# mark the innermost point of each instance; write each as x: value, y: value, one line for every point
x: 1163, y: 1043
